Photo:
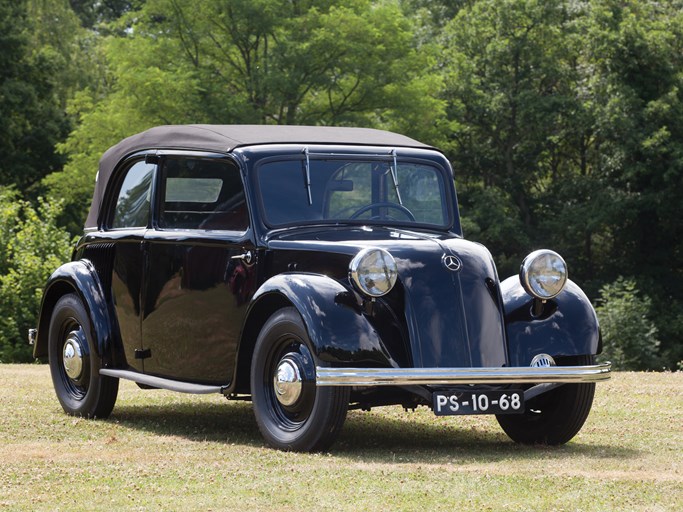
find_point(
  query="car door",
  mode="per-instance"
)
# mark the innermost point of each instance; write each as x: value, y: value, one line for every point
x: 126, y: 225
x: 200, y: 270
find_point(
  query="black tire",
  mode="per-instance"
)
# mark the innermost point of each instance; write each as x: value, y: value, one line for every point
x: 315, y: 416
x: 81, y: 392
x: 554, y: 417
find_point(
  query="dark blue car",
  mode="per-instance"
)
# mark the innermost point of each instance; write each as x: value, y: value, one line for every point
x: 312, y: 270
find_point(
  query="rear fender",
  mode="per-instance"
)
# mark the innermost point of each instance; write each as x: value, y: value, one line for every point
x: 336, y: 326
x: 568, y: 325
x: 77, y: 277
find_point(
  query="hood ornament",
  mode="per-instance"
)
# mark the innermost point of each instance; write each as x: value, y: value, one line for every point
x: 451, y: 262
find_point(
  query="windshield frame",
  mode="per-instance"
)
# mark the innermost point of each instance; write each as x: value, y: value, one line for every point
x: 387, y: 156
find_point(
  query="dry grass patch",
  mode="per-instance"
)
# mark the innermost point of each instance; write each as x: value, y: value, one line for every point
x: 167, y: 451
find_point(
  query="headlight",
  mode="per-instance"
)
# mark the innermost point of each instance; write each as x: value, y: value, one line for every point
x: 543, y: 274
x: 373, y: 271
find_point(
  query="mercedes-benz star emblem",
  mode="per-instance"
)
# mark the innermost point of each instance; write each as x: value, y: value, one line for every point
x: 451, y: 262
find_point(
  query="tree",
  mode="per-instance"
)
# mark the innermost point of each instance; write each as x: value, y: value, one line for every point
x: 507, y: 86
x: 92, y: 13
x: 31, y: 119
x: 345, y: 62
x: 636, y: 89
x: 56, y: 36
x: 565, y: 129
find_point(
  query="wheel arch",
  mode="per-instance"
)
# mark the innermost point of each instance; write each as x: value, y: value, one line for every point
x: 336, y: 326
x: 567, y: 326
x: 78, y: 277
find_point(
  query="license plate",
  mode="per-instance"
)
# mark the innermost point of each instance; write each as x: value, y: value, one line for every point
x: 478, y: 402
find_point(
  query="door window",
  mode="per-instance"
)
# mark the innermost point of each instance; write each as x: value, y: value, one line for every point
x: 133, y: 202
x: 202, y: 194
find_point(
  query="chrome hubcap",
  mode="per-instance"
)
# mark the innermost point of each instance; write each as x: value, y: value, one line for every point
x: 287, y: 381
x: 73, y: 356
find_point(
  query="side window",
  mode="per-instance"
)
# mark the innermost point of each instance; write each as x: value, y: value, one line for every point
x: 202, y: 194
x: 133, y: 202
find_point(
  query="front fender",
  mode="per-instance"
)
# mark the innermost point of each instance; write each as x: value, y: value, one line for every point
x: 77, y: 277
x: 336, y: 325
x: 568, y: 325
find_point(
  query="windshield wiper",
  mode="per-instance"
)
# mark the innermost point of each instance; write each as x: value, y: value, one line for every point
x: 307, y: 179
x: 394, y: 177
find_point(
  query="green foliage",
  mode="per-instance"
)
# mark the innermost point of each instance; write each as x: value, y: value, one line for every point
x: 563, y: 119
x: 628, y: 334
x: 489, y: 216
x: 571, y: 115
x: 505, y: 80
x: 31, y: 120
x: 32, y: 246
x: 93, y: 13
x: 57, y: 38
x: 344, y: 62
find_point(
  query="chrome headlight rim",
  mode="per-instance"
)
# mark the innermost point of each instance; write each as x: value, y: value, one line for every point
x: 358, y: 271
x: 529, y: 273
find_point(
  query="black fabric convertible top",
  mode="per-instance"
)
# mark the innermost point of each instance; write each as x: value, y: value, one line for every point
x: 225, y: 138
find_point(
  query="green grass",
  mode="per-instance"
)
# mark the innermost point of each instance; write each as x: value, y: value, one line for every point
x: 165, y: 451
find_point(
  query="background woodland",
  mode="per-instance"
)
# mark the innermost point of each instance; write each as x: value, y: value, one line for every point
x: 563, y: 121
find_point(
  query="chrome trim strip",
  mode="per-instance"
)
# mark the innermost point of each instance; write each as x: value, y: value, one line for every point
x: 450, y: 376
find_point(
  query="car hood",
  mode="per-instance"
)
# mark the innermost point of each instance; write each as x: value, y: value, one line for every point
x: 453, y: 317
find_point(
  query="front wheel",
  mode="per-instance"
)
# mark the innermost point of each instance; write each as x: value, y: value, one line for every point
x: 554, y: 417
x: 291, y: 412
x: 74, y: 364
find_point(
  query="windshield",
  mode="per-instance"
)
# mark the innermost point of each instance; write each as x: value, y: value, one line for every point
x: 313, y: 190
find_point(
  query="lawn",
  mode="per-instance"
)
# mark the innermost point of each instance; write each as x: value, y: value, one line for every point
x: 166, y: 451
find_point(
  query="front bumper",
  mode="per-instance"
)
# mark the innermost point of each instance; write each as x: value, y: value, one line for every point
x: 452, y: 376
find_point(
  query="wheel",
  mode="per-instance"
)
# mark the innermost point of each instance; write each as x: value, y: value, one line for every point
x: 291, y: 412
x: 74, y: 364
x: 405, y: 211
x: 553, y: 417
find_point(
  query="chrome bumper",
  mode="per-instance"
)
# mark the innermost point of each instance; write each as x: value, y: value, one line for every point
x: 450, y: 376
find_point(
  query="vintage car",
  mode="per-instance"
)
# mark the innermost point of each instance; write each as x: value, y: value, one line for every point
x: 311, y: 270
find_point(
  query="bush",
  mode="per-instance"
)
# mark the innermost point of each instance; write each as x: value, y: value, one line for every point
x: 667, y: 314
x: 32, y: 246
x: 629, y: 336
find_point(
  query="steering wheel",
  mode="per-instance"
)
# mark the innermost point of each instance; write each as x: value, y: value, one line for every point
x: 405, y: 211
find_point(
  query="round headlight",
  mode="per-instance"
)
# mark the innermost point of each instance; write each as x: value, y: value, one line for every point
x: 543, y: 274
x: 373, y: 271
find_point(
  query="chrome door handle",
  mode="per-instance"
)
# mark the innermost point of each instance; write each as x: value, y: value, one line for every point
x: 246, y: 257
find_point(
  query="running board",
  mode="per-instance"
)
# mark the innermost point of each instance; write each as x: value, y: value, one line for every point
x: 161, y: 383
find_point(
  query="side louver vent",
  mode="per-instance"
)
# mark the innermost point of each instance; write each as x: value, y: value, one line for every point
x: 102, y: 258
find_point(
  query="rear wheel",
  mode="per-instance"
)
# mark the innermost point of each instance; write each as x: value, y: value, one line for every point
x: 74, y: 364
x: 291, y: 412
x: 553, y: 417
